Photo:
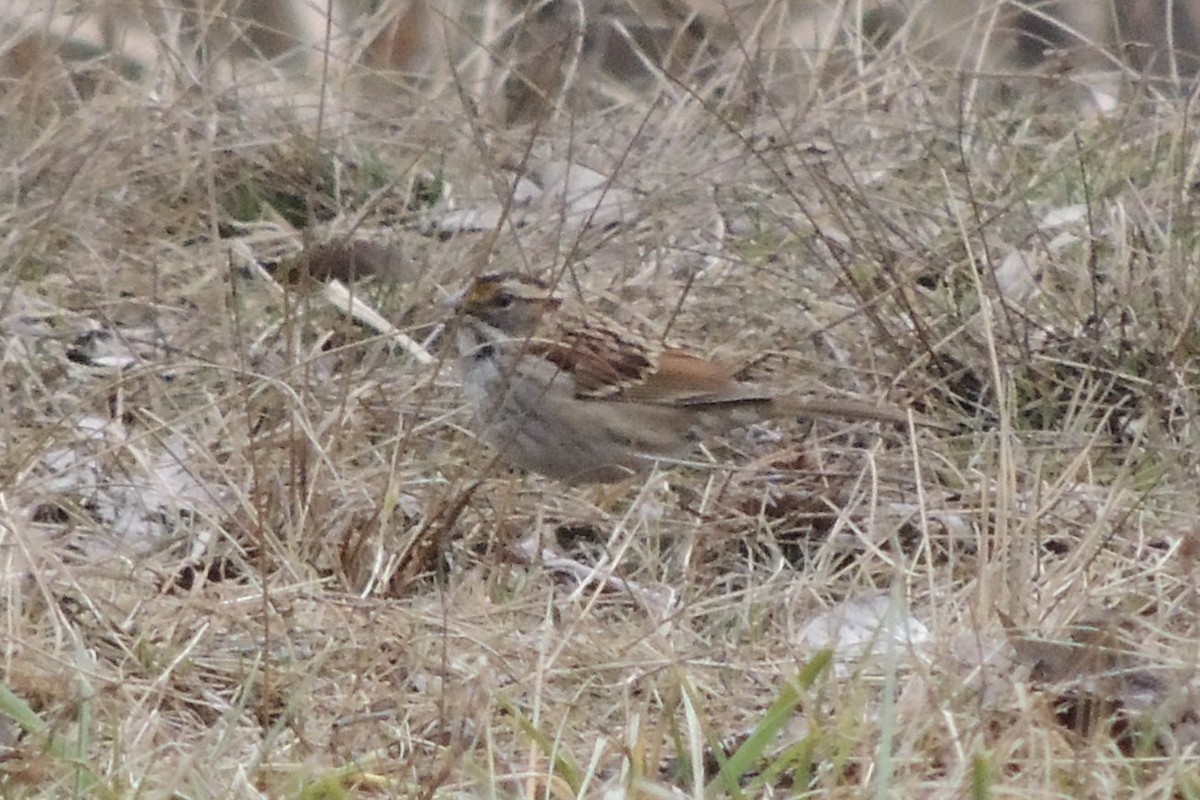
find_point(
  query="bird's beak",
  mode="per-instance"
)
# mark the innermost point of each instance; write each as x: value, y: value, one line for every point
x: 454, y: 302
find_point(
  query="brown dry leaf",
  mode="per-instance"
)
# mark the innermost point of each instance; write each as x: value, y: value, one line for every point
x: 1097, y: 683
x: 347, y: 261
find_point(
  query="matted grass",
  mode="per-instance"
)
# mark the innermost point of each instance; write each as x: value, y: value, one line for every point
x: 249, y: 546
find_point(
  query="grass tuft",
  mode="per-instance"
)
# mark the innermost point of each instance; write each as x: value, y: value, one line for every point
x: 250, y: 544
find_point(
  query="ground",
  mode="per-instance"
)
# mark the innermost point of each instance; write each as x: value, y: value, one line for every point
x: 251, y: 546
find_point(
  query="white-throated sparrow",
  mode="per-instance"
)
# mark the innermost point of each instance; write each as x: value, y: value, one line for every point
x: 579, y: 398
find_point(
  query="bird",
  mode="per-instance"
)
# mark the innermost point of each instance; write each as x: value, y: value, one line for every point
x: 562, y: 390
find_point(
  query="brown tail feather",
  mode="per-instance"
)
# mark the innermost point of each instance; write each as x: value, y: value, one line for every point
x: 844, y: 408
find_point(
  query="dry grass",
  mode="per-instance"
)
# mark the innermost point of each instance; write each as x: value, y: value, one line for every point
x: 247, y: 546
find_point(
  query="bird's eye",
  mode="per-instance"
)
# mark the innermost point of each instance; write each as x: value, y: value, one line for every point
x: 504, y: 300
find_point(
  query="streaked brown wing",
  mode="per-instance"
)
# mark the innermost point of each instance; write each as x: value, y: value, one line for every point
x: 609, y: 363
x: 603, y: 361
x: 683, y: 378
